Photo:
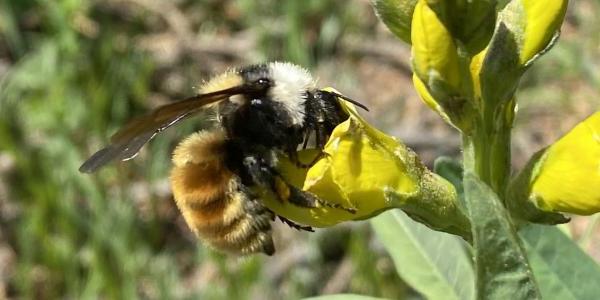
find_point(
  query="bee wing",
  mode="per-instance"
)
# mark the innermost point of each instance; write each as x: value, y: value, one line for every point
x: 127, y: 142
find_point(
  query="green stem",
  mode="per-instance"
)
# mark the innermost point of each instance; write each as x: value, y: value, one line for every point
x: 501, y: 263
x: 487, y: 152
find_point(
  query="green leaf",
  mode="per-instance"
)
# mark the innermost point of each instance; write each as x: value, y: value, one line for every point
x: 343, y: 297
x: 434, y: 263
x: 502, y: 268
x: 562, y: 269
x: 396, y: 15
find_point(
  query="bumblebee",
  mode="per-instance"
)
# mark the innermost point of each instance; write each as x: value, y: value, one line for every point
x: 262, y: 111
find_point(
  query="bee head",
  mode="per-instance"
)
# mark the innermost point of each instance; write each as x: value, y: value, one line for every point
x: 285, y: 84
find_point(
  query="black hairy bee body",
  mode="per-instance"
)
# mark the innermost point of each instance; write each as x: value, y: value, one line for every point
x: 262, y: 111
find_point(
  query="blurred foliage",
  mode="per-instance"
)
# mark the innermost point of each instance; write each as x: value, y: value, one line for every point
x: 73, y: 71
x: 300, y: 31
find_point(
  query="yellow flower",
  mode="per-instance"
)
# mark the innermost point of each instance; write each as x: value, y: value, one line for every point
x: 568, y: 174
x: 366, y: 171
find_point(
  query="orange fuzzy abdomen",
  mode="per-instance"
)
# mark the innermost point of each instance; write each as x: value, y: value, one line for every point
x: 212, y: 200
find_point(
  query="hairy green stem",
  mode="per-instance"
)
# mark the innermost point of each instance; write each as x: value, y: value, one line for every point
x: 500, y: 260
x: 487, y: 151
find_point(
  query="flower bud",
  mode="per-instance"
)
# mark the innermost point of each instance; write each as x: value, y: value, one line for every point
x: 525, y: 30
x: 396, y: 15
x: 439, y: 77
x: 364, y: 172
x: 434, y: 52
x: 533, y: 25
x: 565, y: 177
x: 470, y: 22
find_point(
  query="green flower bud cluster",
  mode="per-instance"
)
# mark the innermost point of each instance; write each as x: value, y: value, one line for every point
x: 468, y: 56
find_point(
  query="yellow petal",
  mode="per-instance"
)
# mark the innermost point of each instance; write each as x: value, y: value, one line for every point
x: 321, y: 216
x: 475, y: 68
x: 434, y: 52
x: 542, y: 21
x: 428, y: 99
x: 568, y: 179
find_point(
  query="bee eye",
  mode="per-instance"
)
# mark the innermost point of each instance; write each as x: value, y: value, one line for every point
x: 263, y: 83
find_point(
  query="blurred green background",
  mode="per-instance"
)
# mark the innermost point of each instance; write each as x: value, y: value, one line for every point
x: 73, y: 71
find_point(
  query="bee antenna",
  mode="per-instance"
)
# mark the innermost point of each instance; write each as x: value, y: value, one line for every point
x: 350, y: 100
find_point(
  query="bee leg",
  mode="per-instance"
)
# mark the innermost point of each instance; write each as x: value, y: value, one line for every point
x: 257, y: 170
x: 298, y: 197
x: 256, y: 208
x: 319, y: 137
x: 295, y: 225
x: 265, y: 175
x: 316, y: 159
x: 306, y: 138
x: 293, y: 156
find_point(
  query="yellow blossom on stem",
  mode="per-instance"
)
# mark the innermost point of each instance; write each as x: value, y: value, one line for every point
x: 364, y: 172
x: 569, y: 174
x: 564, y: 177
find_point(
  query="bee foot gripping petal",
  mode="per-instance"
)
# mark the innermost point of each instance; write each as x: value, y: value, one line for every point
x: 337, y: 206
x: 294, y: 225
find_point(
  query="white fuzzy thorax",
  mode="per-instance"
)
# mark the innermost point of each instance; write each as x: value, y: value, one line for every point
x: 291, y: 84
